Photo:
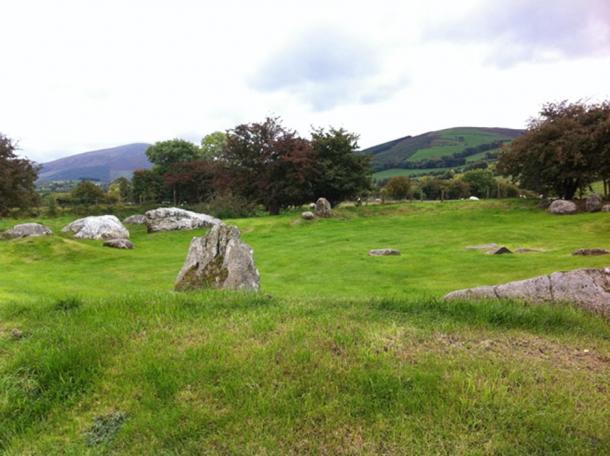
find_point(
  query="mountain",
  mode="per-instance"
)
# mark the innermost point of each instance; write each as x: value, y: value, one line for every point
x: 104, y: 165
x: 438, y: 149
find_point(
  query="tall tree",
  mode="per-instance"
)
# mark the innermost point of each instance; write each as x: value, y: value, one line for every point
x: 341, y: 173
x: 194, y: 181
x: 565, y: 149
x: 163, y: 154
x: 17, y: 179
x: 147, y: 186
x: 212, y: 145
x: 86, y: 192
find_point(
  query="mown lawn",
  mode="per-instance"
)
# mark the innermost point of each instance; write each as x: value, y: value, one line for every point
x: 340, y: 353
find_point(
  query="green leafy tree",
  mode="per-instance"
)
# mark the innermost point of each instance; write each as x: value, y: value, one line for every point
x: 341, y: 173
x: 481, y: 182
x: 147, y: 186
x: 120, y: 189
x: 17, y: 179
x: 163, y: 154
x: 212, y: 145
x: 86, y: 192
x: 399, y: 187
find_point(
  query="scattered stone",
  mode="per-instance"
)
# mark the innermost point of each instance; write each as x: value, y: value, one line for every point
x: 384, y: 252
x: 591, y: 252
x: 491, y: 245
x: 219, y: 260
x: 26, y: 230
x: 499, y: 251
x: 173, y: 218
x: 606, y: 208
x: 528, y: 250
x: 562, y: 207
x: 16, y: 334
x: 323, y: 208
x: 137, y: 219
x: 104, y: 428
x: 593, y: 203
x: 473, y: 198
x: 584, y: 288
x: 312, y: 206
x: 97, y: 227
x: 119, y: 244
x: 308, y: 215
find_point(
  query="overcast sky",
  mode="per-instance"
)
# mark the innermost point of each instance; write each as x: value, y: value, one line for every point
x: 82, y: 75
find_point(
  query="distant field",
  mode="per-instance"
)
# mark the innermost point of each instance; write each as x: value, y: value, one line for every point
x: 340, y: 352
x: 455, y: 140
x: 386, y: 174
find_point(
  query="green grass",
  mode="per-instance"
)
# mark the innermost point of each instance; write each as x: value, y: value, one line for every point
x: 340, y: 353
x: 387, y: 173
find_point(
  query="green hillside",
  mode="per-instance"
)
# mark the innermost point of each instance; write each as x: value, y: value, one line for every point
x: 437, y: 149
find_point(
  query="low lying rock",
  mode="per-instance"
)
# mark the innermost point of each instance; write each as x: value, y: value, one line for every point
x: 323, y: 208
x: 119, y: 244
x: 585, y: 288
x: 97, y: 227
x: 384, y: 252
x: 499, y: 251
x: 591, y: 252
x: 308, y: 215
x: 138, y: 219
x: 606, y: 208
x: 562, y: 207
x: 473, y: 198
x: 26, y: 230
x: 491, y: 245
x: 528, y: 250
x: 173, y: 218
x: 16, y: 334
x: 593, y: 203
x: 219, y: 260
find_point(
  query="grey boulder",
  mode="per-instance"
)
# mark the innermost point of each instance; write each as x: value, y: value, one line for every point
x: 593, y: 203
x: 219, y: 260
x: 606, y: 208
x: 384, y: 252
x: 97, y: 227
x: 562, y: 207
x: 173, y: 219
x: 491, y: 245
x: 591, y: 252
x: 323, y: 208
x: 584, y: 288
x: 308, y: 215
x: 26, y: 230
x: 119, y: 244
x: 137, y: 219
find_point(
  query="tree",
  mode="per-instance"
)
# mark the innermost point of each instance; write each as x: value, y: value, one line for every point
x: 269, y: 164
x: 120, y: 188
x: 147, y: 186
x: 481, y: 182
x: 212, y: 145
x: 194, y: 181
x: 398, y: 187
x: 17, y: 179
x: 86, y: 192
x: 564, y: 150
x: 341, y: 173
x: 165, y: 153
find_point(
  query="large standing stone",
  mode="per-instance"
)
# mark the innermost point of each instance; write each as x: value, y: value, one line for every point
x: 562, y: 207
x: 137, y: 219
x: 593, y: 203
x: 97, y: 227
x: 323, y: 208
x: 585, y: 288
x: 26, y: 230
x: 219, y: 260
x: 173, y: 218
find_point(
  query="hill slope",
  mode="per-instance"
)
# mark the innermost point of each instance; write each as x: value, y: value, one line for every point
x: 408, y: 151
x: 104, y: 164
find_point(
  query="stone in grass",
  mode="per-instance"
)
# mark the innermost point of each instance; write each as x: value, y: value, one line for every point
x: 125, y: 244
x: 104, y: 428
x: 308, y: 215
x: 563, y: 207
x: 26, y: 230
x: 16, y: 334
x: 323, y: 208
x: 528, y: 250
x: 491, y: 245
x: 499, y: 251
x: 138, y: 219
x: 384, y: 252
x: 591, y: 252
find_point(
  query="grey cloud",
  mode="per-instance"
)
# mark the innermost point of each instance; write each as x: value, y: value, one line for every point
x: 533, y: 30
x: 324, y: 67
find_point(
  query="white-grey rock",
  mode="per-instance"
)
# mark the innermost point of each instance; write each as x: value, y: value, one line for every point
x: 308, y: 215
x: 584, y: 288
x: 591, y: 252
x: 26, y: 230
x: 491, y: 245
x: 219, y: 260
x: 137, y: 219
x: 473, y: 198
x: 323, y: 208
x: 119, y: 244
x: 384, y: 252
x: 173, y: 218
x: 562, y: 207
x: 528, y: 250
x: 593, y: 203
x: 606, y: 208
x: 97, y: 227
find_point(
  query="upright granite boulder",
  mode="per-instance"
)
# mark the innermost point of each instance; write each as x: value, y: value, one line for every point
x: 562, y: 207
x: 593, y: 203
x: 26, y: 230
x: 585, y: 288
x: 173, y: 218
x: 219, y: 260
x: 323, y: 208
x: 97, y: 227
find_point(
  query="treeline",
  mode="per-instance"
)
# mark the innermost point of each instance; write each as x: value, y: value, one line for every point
x: 457, y: 159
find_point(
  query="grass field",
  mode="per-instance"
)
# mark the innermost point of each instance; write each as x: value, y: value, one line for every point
x: 340, y: 353
x: 387, y: 173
